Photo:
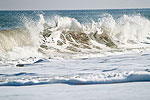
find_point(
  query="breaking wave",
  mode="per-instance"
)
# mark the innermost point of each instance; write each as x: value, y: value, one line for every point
x: 65, y: 37
x: 25, y: 79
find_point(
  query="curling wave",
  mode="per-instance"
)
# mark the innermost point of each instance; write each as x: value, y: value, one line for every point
x: 65, y: 37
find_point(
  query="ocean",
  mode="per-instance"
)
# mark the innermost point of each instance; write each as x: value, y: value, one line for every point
x: 69, y: 49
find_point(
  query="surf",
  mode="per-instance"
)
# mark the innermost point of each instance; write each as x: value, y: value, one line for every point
x: 27, y: 79
x: 65, y: 37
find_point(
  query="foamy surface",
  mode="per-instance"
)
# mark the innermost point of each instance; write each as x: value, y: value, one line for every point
x: 105, y: 70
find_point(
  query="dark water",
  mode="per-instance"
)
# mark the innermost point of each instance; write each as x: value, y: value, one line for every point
x: 15, y: 19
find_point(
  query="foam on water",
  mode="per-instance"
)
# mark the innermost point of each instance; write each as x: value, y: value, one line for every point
x: 65, y: 37
x: 24, y: 79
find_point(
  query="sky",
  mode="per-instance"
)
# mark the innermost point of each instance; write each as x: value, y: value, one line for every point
x: 71, y: 4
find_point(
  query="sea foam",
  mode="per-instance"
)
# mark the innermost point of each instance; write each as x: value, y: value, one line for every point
x: 25, y: 79
x: 65, y: 37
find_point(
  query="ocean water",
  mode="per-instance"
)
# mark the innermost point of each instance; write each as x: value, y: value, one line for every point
x: 74, y: 47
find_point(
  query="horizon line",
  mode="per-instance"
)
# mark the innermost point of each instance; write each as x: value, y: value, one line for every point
x: 74, y: 9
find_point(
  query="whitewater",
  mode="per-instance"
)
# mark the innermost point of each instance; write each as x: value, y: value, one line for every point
x: 93, y: 51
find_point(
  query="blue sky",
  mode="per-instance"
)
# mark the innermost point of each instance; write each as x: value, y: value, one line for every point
x: 72, y: 4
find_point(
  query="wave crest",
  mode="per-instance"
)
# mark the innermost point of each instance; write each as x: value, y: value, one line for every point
x: 64, y: 36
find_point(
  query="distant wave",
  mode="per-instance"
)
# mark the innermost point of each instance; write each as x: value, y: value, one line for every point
x: 65, y: 37
x: 25, y: 79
